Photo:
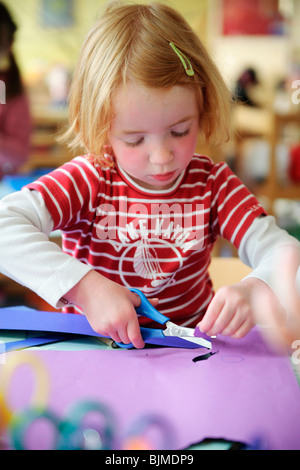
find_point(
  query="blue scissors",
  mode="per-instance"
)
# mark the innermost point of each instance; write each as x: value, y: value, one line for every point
x: 26, y: 319
x: 172, y: 335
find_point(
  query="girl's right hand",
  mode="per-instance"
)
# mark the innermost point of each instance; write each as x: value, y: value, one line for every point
x: 109, y: 308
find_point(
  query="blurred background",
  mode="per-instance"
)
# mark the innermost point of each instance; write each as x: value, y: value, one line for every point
x: 256, y: 45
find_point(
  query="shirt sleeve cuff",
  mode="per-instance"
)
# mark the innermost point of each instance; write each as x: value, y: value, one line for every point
x: 63, y: 280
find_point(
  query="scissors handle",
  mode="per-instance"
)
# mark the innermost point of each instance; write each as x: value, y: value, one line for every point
x: 147, y: 310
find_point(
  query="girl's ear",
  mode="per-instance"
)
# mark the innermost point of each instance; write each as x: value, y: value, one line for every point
x: 108, y: 154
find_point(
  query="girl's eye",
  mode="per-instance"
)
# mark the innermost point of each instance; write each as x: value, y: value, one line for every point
x: 135, y: 144
x: 180, y: 134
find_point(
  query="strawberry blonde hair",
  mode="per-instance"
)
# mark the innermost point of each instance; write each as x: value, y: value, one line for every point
x: 131, y: 42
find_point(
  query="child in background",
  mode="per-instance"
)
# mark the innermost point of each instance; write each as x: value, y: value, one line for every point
x: 140, y: 208
x: 15, y: 119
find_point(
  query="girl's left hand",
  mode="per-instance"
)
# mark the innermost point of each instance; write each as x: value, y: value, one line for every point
x: 230, y: 311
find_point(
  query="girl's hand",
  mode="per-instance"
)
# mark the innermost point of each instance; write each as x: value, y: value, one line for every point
x: 230, y: 311
x: 109, y: 308
x: 281, y: 318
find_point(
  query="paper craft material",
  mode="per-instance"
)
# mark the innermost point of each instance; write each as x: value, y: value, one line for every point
x: 33, y: 341
x: 27, y: 319
x: 243, y: 393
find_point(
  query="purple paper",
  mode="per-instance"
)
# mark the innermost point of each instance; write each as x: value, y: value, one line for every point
x: 241, y: 393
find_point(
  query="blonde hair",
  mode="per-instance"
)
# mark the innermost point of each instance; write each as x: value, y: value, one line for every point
x: 131, y: 41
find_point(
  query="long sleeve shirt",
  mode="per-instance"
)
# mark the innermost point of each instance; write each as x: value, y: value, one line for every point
x: 134, y: 247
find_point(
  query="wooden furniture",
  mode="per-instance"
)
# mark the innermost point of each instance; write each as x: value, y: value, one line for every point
x: 47, y: 152
x: 227, y: 271
x: 272, y: 188
x: 268, y: 125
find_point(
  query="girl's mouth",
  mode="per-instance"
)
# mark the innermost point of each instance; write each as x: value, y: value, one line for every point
x: 164, y: 176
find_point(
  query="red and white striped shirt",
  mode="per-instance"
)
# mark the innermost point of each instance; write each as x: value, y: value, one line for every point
x: 157, y: 241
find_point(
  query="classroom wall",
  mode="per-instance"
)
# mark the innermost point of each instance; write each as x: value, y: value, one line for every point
x: 38, y: 47
x: 271, y: 56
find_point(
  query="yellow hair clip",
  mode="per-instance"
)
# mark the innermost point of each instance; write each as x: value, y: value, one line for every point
x: 184, y: 60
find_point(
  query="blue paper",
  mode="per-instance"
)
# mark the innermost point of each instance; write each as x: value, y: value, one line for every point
x: 27, y: 319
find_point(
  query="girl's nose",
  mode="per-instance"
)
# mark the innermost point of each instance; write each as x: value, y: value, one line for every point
x: 160, y: 155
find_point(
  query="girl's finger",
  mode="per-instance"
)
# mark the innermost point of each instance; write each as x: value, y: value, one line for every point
x: 134, y: 334
x: 212, y: 313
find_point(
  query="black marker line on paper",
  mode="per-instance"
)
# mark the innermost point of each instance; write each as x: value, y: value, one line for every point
x: 203, y: 357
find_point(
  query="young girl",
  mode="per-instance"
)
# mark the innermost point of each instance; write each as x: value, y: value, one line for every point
x: 140, y: 209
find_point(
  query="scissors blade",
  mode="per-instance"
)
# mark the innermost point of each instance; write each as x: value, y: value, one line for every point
x: 185, y: 333
x: 157, y: 337
x: 200, y: 341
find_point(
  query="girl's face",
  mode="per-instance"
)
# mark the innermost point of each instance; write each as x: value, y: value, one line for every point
x: 154, y: 132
